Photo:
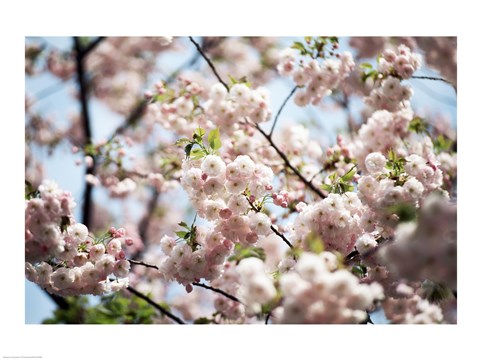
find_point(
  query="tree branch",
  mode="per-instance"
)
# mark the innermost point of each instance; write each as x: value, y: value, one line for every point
x: 199, y: 49
x: 289, y: 165
x: 280, y: 110
x: 278, y: 233
x: 268, y: 318
x: 156, y: 306
x: 138, y: 262
x: 82, y: 84
x: 90, y: 47
x: 231, y: 297
x: 435, y: 79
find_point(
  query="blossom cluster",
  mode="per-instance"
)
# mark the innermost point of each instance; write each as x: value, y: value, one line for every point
x: 316, y: 80
x: 60, y: 255
x: 239, y: 103
x: 426, y: 249
x: 218, y: 193
x: 337, y: 219
x: 317, y: 291
x: 393, y: 66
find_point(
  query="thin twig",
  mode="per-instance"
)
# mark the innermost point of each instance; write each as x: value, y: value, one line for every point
x: 231, y: 297
x: 134, y: 116
x: 435, y: 79
x: 156, y: 305
x: 280, y: 110
x: 199, y: 49
x: 289, y: 165
x: 138, y: 262
x: 278, y: 233
x: 268, y: 318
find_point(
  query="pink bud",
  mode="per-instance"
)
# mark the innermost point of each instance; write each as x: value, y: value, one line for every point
x: 204, y: 176
x: 252, y: 237
x: 189, y: 288
x: 147, y: 95
x: 225, y: 213
x: 252, y: 198
x: 284, y: 204
x: 88, y: 161
x: 340, y: 139
x: 112, y: 230
x: 75, y: 149
x: 129, y: 241
x: 121, y: 232
x: 121, y: 255
x: 329, y: 152
x: 268, y: 187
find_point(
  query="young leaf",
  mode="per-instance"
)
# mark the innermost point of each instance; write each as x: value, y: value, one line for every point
x: 214, y: 139
x: 349, y: 175
x: 366, y: 66
x: 183, y: 224
x: 182, y: 141
x: 197, y: 154
x: 181, y: 234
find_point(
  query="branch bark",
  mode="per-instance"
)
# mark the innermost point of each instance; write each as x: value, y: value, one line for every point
x: 83, y: 90
x: 219, y: 291
x: 156, y: 305
x: 199, y: 49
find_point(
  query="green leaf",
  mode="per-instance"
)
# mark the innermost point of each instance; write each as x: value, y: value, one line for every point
x: 214, y: 139
x: 203, y: 320
x: 366, y: 66
x: 199, y: 132
x: 314, y: 243
x: 182, y: 141
x: 326, y: 187
x: 442, y: 144
x: 405, y: 212
x: 350, y: 174
x: 418, y: 125
x: 197, y: 153
x: 359, y: 270
x: 181, y: 234
x: 184, y: 224
x: 299, y: 46
x: 242, y: 252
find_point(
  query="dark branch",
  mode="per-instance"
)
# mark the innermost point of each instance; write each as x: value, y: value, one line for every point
x: 231, y: 297
x: 60, y: 301
x: 138, y: 262
x: 82, y: 84
x: 278, y: 233
x: 134, y: 116
x: 289, y: 165
x: 199, y: 49
x: 267, y: 318
x: 156, y: 306
x: 90, y: 47
x: 435, y: 79
x: 145, y: 222
x: 281, y: 108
